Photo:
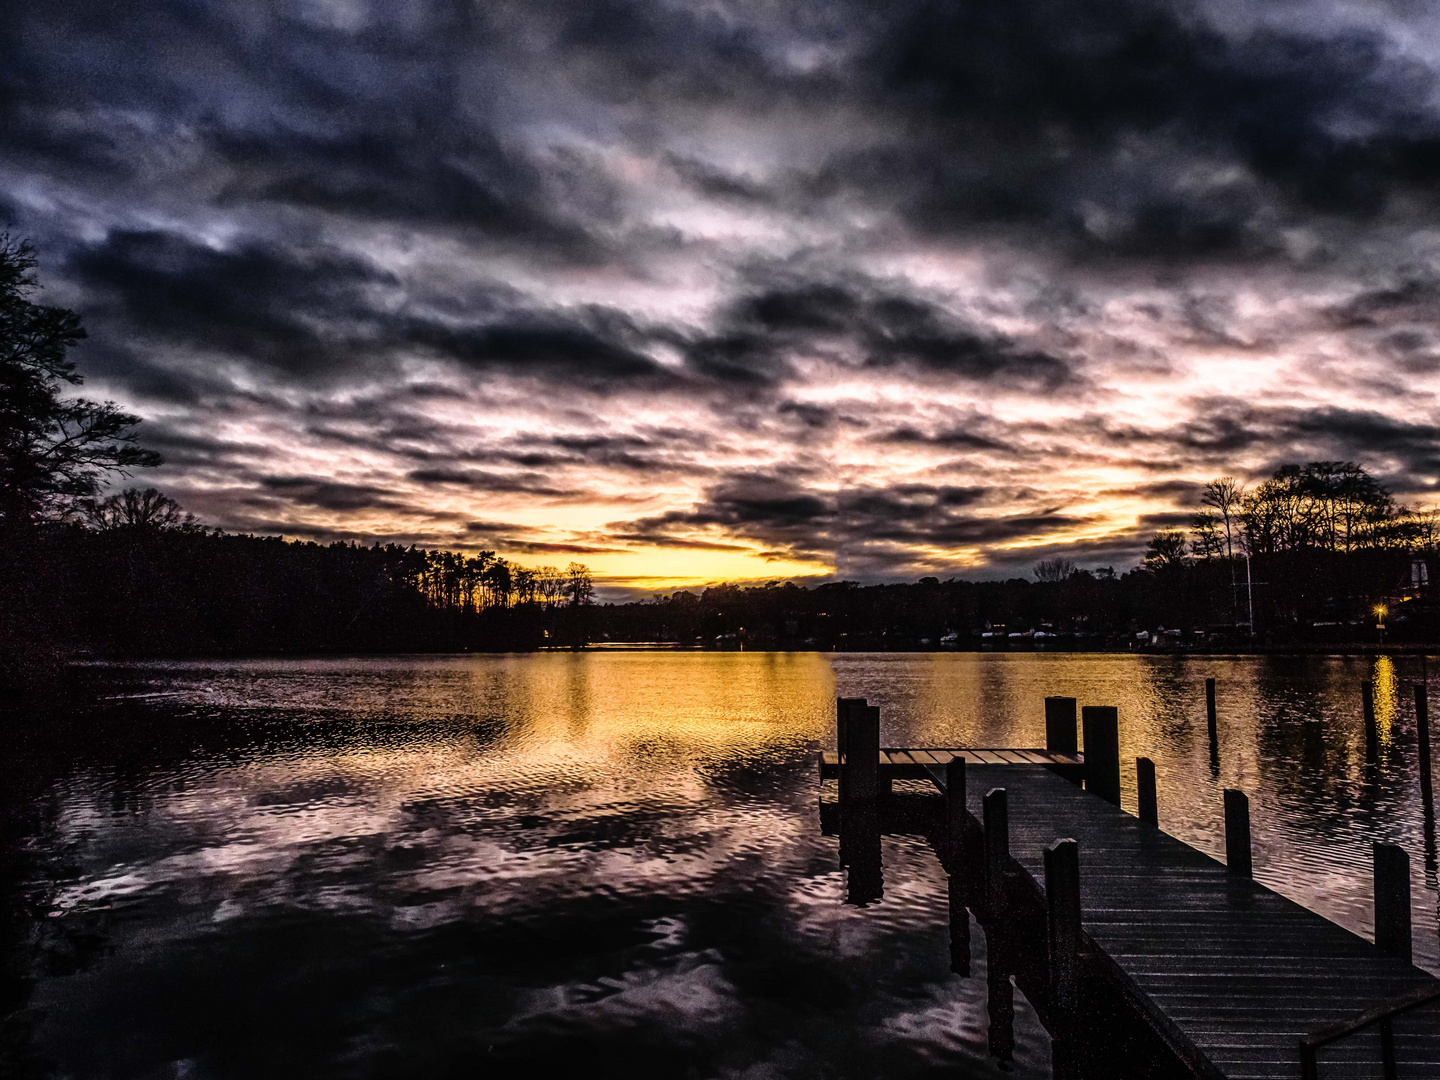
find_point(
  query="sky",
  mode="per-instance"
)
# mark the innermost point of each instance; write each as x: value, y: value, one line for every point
x: 692, y: 292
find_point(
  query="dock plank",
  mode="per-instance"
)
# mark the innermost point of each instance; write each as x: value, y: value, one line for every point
x: 1238, y: 970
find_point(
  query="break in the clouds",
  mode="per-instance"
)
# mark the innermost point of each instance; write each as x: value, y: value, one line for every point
x: 739, y: 290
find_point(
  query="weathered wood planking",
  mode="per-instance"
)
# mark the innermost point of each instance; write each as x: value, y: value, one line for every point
x: 1225, y: 968
x: 911, y: 763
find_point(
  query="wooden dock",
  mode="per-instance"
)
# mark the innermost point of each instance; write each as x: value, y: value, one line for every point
x: 914, y: 763
x: 1177, y: 964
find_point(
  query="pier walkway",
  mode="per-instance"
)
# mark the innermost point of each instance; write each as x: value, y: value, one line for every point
x: 1216, y: 975
x: 1232, y: 974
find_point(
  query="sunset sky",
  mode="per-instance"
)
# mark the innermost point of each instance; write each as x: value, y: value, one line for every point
x: 739, y: 290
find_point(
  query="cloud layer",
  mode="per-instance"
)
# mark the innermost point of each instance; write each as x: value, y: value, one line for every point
x: 741, y: 290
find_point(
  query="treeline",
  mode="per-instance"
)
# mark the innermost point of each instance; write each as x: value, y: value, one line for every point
x: 133, y: 576
x: 1318, y: 553
x: 1311, y: 552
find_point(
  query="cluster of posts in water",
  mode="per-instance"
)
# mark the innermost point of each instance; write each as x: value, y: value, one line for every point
x: 1032, y: 917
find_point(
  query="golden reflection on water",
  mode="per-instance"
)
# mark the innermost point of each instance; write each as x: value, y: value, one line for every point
x: 1387, y: 692
x: 426, y: 793
x: 1290, y: 734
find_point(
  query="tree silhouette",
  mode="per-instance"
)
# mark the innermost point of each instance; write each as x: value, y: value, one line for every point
x: 54, y: 451
x: 136, y: 509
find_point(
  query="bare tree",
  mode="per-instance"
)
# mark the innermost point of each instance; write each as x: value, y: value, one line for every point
x: 1053, y: 570
x: 578, y: 584
x: 1206, y: 542
x: 1226, y: 496
x: 135, y: 508
x: 1166, y: 551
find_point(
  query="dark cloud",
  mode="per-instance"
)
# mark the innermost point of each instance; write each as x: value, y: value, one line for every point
x: 312, y: 310
x: 297, y: 309
x: 948, y: 438
x: 478, y: 480
x: 1095, y: 118
x: 545, y: 344
x: 869, y: 325
x: 330, y: 494
x: 1183, y: 492
x: 865, y: 529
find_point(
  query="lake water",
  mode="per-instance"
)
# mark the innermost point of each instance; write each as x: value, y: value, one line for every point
x: 606, y: 861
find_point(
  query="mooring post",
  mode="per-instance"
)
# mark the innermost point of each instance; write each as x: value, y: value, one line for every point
x: 843, y: 708
x: 1102, y: 751
x: 959, y: 927
x: 1210, y: 710
x: 1372, y: 735
x: 1145, y: 789
x: 1422, y: 735
x: 865, y: 878
x: 955, y: 807
x: 1060, y: 726
x: 1392, y: 900
x: 1000, y: 997
x: 997, y: 850
x: 862, y: 753
x: 1237, y: 832
x: 1062, y: 926
x: 955, y: 841
x: 997, y: 974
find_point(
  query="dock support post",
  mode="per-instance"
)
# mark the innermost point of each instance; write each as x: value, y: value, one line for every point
x: 1060, y: 726
x: 955, y: 840
x: 1000, y: 994
x: 1210, y: 709
x: 865, y: 876
x: 1372, y: 735
x: 1062, y: 925
x: 862, y: 753
x: 1237, y: 832
x: 997, y: 850
x: 959, y: 927
x: 1102, y: 751
x: 1422, y: 735
x: 1392, y: 900
x: 844, y: 707
x: 997, y: 975
x: 955, y: 808
x: 1145, y: 788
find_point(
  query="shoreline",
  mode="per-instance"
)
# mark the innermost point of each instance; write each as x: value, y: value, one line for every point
x: 1294, y: 649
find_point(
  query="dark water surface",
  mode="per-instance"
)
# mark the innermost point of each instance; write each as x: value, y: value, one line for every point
x: 607, y: 861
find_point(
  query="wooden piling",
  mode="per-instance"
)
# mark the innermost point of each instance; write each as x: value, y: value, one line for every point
x: 955, y: 812
x: 865, y: 880
x: 1060, y: 726
x: 1422, y: 735
x: 1148, y: 810
x: 1062, y: 924
x: 997, y: 850
x: 843, y: 708
x: 1237, y: 832
x: 1102, y: 751
x: 861, y: 768
x: 1392, y: 900
x: 1000, y: 998
x: 1210, y: 712
x: 997, y: 976
x: 955, y: 819
x: 959, y: 927
x: 1372, y: 734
